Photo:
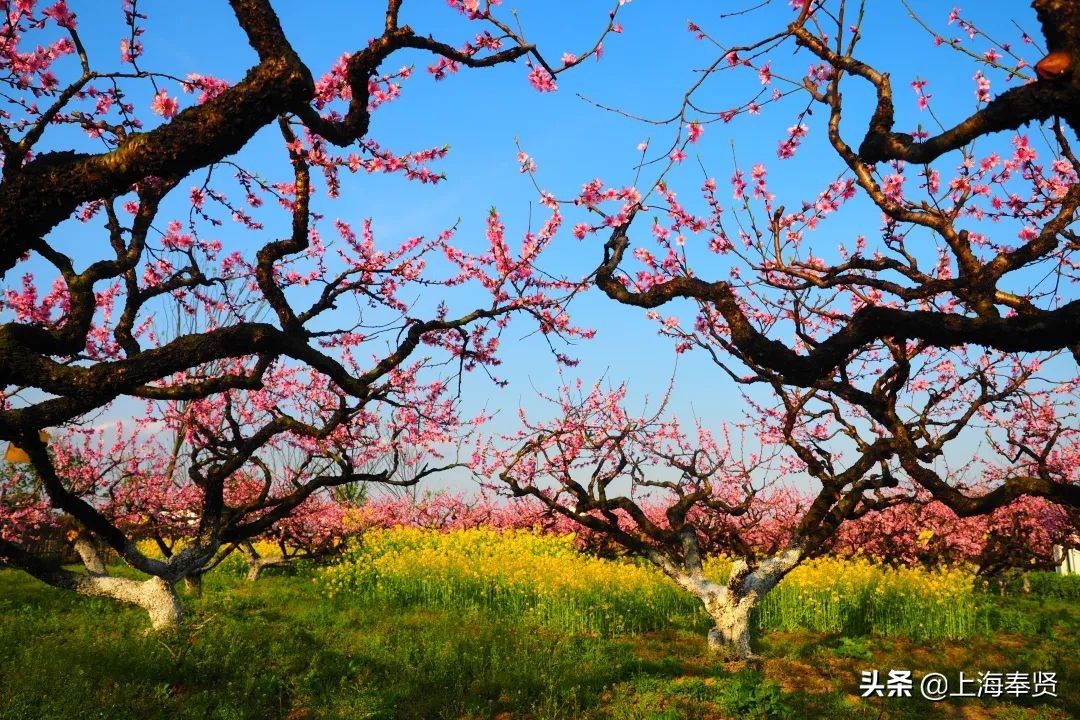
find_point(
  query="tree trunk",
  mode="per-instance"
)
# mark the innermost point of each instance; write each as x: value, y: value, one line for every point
x: 730, y: 637
x: 255, y: 561
x: 89, y: 555
x: 255, y: 567
x: 156, y: 596
x: 730, y: 605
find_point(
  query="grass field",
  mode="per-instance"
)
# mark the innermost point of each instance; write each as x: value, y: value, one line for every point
x: 285, y: 647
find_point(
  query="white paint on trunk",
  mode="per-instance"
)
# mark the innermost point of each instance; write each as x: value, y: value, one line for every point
x: 731, y: 634
x: 255, y: 567
x: 257, y: 562
x: 155, y: 595
x: 730, y: 605
x: 89, y: 556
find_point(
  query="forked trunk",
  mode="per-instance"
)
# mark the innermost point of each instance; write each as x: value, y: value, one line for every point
x: 155, y: 595
x: 257, y: 565
x: 255, y: 561
x: 730, y: 605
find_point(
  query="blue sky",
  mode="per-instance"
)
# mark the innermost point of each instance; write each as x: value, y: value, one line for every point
x: 481, y: 113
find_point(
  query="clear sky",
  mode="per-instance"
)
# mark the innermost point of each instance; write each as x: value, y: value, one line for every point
x: 480, y: 113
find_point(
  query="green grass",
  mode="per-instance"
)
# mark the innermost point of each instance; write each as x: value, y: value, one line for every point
x: 279, y: 648
x: 1047, y: 585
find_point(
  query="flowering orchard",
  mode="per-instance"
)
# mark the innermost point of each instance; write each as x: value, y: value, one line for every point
x: 870, y: 367
x: 234, y: 342
x: 904, y: 335
x: 926, y: 534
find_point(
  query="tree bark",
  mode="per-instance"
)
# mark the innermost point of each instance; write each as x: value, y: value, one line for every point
x: 254, y: 569
x: 89, y: 555
x: 730, y: 637
x: 254, y: 560
x: 156, y: 596
x: 257, y: 563
x: 731, y: 605
x: 729, y: 608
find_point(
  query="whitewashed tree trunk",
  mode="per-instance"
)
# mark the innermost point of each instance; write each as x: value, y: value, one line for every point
x: 155, y: 596
x: 730, y: 605
x: 730, y: 637
x: 89, y: 556
x: 255, y: 568
x: 256, y: 562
